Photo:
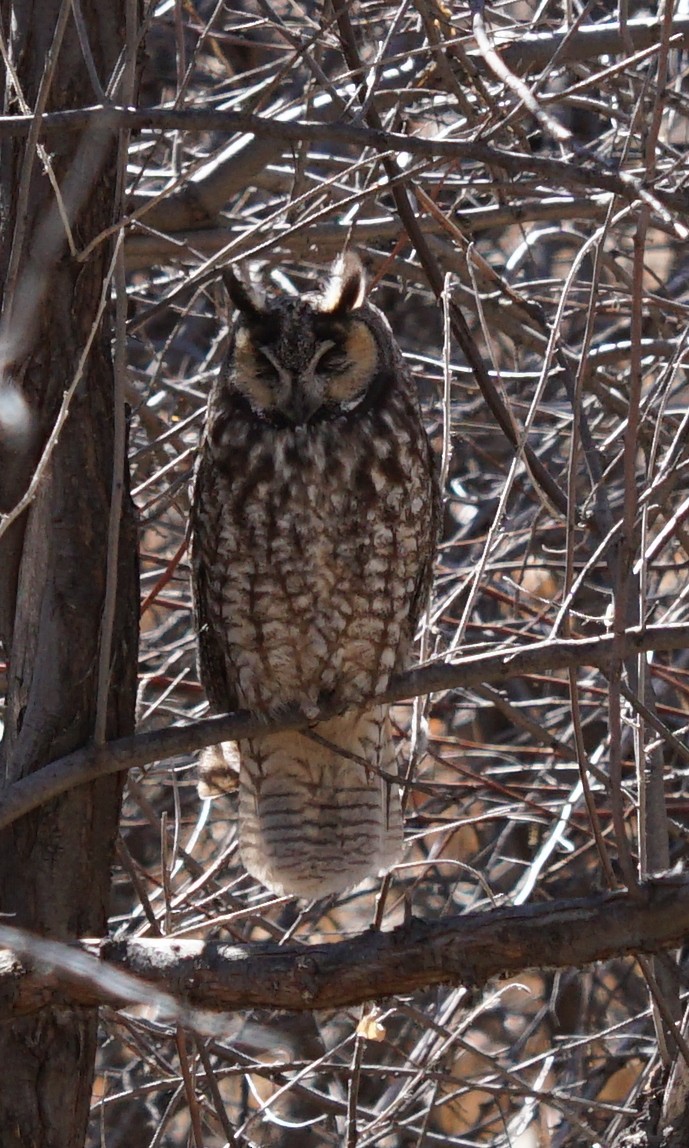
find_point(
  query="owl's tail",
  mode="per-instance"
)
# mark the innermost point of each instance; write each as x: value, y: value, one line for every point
x: 314, y: 817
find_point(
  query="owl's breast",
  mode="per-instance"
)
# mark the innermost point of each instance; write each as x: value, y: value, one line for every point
x: 320, y: 546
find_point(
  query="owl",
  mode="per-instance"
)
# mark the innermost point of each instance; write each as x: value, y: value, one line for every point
x: 314, y: 523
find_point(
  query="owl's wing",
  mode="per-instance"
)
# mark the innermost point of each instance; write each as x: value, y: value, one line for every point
x: 205, y: 559
x: 212, y: 664
x: 427, y: 547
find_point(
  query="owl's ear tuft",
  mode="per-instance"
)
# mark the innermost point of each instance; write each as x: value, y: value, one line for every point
x: 241, y: 296
x: 346, y: 287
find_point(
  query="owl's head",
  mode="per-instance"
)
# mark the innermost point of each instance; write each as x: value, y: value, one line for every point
x: 303, y: 360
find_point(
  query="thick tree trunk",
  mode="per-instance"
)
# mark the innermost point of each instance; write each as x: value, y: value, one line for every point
x: 55, y: 864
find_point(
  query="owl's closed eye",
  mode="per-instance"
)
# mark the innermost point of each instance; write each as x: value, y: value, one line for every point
x: 302, y: 360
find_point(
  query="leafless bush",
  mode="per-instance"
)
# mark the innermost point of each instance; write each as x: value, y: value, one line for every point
x: 516, y: 183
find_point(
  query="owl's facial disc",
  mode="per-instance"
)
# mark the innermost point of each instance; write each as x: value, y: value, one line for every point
x: 299, y: 393
x: 351, y: 366
x: 302, y: 378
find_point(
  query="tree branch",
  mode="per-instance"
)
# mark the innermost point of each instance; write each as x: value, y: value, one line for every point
x: 537, y: 49
x: 495, y: 667
x: 558, y: 172
x: 213, y: 976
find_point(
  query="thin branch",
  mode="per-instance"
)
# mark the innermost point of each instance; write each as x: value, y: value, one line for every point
x: 558, y: 172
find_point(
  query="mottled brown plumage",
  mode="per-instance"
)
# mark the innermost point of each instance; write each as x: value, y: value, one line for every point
x: 314, y: 527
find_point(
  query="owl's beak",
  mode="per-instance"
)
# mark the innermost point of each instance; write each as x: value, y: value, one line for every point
x: 303, y: 407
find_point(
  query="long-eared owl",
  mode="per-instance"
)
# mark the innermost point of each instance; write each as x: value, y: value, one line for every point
x: 314, y: 526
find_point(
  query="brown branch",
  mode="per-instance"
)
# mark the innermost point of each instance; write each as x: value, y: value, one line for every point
x: 213, y: 976
x: 560, y: 173
x: 495, y: 666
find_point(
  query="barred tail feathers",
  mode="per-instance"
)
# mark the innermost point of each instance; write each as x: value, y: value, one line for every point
x: 314, y: 819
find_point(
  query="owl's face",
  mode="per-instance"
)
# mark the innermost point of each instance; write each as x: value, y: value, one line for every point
x: 297, y: 361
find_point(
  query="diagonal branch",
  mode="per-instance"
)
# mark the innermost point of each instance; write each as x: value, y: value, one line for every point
x: 495, y: 666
